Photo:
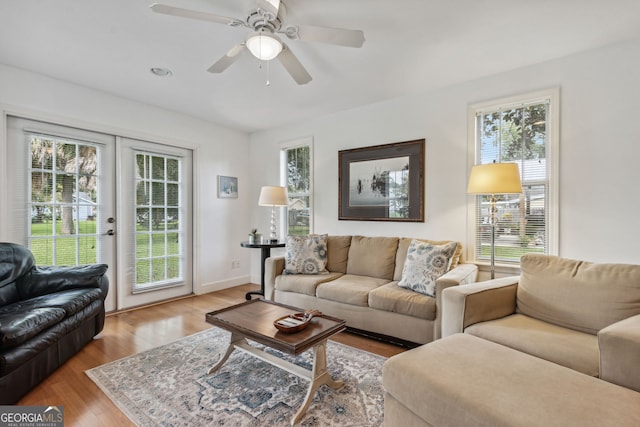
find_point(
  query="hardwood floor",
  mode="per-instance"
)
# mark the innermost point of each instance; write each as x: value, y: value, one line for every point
x: 131, y: 332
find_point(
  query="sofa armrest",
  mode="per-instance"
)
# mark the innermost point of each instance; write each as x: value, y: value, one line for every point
x: 619, y: 349
x: 47, y: 280
x: 463, y: 306
x: 462, y: 274
x: 273, y: 267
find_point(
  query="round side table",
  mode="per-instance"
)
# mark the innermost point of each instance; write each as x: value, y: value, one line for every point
x: 265, y: 249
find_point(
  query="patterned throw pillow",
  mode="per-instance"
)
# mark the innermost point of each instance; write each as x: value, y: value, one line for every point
x: 424, y: 264
x: 306, y: 255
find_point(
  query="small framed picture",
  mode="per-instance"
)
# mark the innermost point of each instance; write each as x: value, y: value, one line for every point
x: 227, y: 187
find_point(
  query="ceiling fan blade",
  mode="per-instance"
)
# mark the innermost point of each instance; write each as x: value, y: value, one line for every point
x: 293, y: 66
x: 192, y: 14
x: 231, y: 57
x: 338, y: 36
x: 270, y: 6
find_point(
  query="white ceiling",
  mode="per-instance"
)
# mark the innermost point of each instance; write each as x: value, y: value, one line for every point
x: 411, y: 45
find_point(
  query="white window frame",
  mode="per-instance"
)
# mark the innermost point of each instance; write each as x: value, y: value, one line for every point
x: 289, y: 145
x: 552, y: 151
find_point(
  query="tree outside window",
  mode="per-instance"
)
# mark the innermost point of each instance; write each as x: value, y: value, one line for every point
x: 297, y: 171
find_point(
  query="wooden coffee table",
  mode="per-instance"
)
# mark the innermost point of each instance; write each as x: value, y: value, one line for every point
x: 254, y: 320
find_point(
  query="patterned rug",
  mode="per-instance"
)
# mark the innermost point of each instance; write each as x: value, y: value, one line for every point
x: 168, y: 386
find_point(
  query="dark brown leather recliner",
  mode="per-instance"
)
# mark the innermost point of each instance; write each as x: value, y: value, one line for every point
x: 47, y: 314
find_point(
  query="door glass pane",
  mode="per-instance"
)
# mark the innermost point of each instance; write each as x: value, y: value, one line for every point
x: 173, y: 170
x: 63, y: 201
x: 173, y: 267
x: 173, y: 194
x: 159, y: 235
x: 157, y: 194
x: 157, y: 167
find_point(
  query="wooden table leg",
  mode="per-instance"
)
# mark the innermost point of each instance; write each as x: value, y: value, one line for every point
x: 233, y: 341
x: 319, y: 376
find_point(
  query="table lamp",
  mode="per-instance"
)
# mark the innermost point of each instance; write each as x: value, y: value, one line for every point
x: 491, y: 179
x: 273, y: 196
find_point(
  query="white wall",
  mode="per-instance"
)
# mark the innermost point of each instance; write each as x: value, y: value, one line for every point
x: 599, y: 152
x: 220, y: 224
x: 599, y: 93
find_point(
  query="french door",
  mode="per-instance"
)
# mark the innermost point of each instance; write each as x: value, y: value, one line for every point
x: 77, y: 197
x: 155, y: 219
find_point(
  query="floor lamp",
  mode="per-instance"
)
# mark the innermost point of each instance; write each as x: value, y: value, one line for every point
x: 492, y: 179
x: 273, y: 196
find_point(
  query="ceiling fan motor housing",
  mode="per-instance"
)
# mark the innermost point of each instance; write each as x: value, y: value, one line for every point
x: 261, y: 19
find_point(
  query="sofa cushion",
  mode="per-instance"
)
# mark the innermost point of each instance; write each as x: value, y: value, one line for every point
x: 62, y: 339
x: 372, y: 256
x: 349, y: 289
x: 576, y: 350
x: 338, y: 253
x: 424, y: 264
x: 50, y: 279
x: 17, y: 326
x: 403, y: 246
x: 391, y: 297
x: 579, y: 295
x: 306, y: 254
x: 303, y: 283
x: 462, y: 380
x: 15, y: 261
x: 8, y: 294
x: 70, y: 301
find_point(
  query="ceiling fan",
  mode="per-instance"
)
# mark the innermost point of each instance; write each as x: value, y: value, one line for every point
x: 266, y: 21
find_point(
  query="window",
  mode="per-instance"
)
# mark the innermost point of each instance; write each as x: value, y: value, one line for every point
x: 296, y: 165
x: 520, y: 130
x: 63, y: 204
x: 158, y: 257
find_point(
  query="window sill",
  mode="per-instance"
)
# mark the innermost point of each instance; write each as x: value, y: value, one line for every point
x: 502, y: 270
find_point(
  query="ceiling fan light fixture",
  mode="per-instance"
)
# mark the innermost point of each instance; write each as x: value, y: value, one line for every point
x: 264, y: 46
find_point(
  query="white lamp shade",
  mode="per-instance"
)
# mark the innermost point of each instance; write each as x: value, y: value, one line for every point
x: 273, y: 196
x: 495, y: 178
x: 264, y: 46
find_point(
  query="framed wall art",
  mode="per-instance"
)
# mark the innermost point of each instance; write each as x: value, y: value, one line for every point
x: 227, y: 187
x: 382, y: 182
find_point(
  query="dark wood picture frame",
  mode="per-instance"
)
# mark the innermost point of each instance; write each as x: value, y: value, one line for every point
x: 382, y: 182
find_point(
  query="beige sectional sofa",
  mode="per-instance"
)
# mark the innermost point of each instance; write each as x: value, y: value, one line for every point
x: 362, y: 287
x: 577, y: 314
x: 463, y: 380
x: 557, y: 345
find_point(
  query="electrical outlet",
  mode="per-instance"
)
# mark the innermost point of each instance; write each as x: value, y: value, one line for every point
x: 235, y: 263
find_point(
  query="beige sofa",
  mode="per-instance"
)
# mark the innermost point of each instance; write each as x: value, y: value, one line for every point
x: 557, y: 345
x: 362, y: 287
x: 577, y: 314
x: 463, y: 380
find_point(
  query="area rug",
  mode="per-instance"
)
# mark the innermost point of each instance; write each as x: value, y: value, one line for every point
x: 168, y: 386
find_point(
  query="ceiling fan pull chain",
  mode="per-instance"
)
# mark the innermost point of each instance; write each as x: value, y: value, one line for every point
x: 268, y: 82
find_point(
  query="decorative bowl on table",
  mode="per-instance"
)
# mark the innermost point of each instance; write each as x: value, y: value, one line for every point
x: 295, y: 322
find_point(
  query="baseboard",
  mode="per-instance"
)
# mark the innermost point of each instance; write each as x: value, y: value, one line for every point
x: 205, y: 288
